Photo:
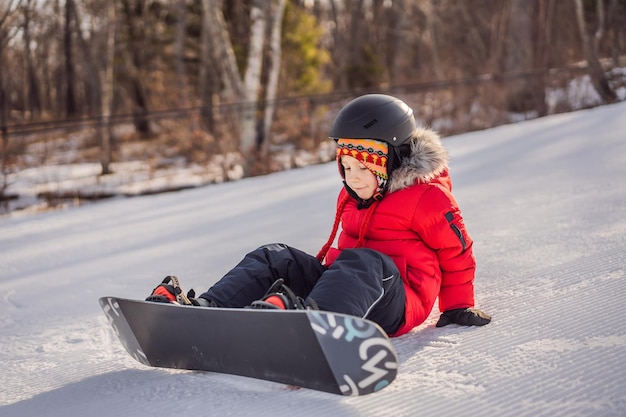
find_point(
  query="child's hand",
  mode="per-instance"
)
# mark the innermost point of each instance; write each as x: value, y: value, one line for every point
x: 464, y: 317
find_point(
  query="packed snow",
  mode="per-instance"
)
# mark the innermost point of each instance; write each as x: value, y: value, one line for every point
x: 544, y: 200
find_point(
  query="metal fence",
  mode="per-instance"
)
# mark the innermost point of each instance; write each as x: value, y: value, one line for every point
x: 200, y: 136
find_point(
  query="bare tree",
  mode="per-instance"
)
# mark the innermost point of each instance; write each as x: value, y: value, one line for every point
x: 617, y: 17
x: 92, y: 83
x: 544, y: 23
x: 7, y: 31
x: 590, y: 50
x: 136, y: 27
x: 341, y: 46
x: 223, y: 53
x: 244, y: 89
x: 430, y: 34
x: 207, y: 79
x: 499, y: 24
x: 274, y: 72
x: 402, y: 39
x: 33, y: 96
x: 71, y: 108
x: 521, y: 57
x: 107, y: 90
x: 179, y: 47
x: 252, y: 78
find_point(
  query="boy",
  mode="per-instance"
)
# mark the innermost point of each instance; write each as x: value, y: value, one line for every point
x: 402, y: 244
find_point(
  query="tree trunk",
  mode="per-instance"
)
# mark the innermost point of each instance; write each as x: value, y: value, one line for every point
x: 107, y: 92
x: 342, y: 43
x: 4, y: 136
x: 401, y: 57
x: 34, y: 100
x: 519, y: 57
x: 274, y: 73
x: 4, y: 103
x: 223, y: 54
x: 70, y: 79
x: 181, y: 18
x: 206, y: 73
x: 93, y: 86
x: 540, y: 57
x: 135, y: 67
x: 595, y: 71
x: 616, y: 28
x: 430, y: 34
x: 252, y: 80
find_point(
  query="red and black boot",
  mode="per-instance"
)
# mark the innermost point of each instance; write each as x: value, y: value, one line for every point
x: 169, y: 291
x: 281, y: 297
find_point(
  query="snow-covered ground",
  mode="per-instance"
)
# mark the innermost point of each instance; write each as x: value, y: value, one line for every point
x: 544, y: 200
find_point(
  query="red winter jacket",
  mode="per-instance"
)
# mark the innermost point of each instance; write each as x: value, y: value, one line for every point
x: 419, y: 225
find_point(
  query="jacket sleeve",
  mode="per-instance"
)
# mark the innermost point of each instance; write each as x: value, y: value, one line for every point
x: 438, y: 222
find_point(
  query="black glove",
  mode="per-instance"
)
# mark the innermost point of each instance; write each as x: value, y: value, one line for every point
x: 464, y: 317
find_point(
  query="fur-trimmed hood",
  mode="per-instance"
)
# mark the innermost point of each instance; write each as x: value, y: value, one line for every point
x: 427, y: 160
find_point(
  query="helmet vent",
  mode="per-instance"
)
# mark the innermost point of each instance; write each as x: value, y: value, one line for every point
x: 370, y: 124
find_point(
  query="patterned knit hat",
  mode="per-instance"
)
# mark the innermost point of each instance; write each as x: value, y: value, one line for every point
x: 369, y: 152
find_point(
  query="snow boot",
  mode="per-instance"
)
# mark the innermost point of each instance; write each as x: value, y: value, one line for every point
x: 281, y: 297
x: 170, y: 291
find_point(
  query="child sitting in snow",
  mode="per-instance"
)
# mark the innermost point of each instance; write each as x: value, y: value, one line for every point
x: 402, y: 244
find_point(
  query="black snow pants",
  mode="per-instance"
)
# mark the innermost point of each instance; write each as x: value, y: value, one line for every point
x: 361, y: 282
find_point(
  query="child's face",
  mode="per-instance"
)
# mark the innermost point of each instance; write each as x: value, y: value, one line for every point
x: 359, y: 178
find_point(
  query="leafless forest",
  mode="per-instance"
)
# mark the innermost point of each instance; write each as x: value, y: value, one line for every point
x: 112, y: 80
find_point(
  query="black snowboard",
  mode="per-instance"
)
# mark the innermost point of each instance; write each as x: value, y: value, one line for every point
x: 323, y: 351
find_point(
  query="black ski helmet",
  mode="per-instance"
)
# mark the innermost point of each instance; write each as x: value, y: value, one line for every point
x: 375, y: 116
